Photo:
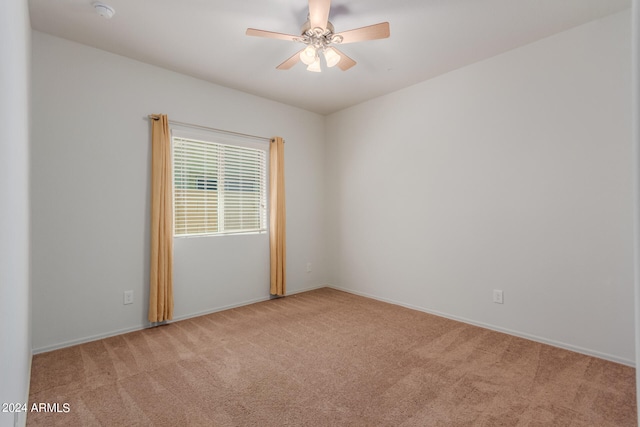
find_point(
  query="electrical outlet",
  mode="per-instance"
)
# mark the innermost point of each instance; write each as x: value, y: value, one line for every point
x: 128, y: 297
x: 308, y: 267
x: 497, y: 296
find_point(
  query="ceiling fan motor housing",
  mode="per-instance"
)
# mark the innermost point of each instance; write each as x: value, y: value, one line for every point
x: 319, y: 37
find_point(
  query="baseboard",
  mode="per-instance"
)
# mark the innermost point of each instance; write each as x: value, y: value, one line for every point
x: 140, y: 327
x: 507, y: 331
x: 241, y: 304
x: 299, y: 291
x: 217, y: 309
x: 90, y: 338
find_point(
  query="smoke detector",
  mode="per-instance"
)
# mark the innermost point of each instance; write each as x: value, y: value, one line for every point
x: 104, y: 10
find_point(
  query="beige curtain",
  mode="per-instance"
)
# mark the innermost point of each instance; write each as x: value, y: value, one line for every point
x: 277, y: 218
x: 161, y: 274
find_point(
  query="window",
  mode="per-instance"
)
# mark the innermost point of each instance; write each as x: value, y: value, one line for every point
x: 218, y: 188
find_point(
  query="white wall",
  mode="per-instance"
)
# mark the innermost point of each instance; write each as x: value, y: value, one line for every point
x: 15, y: 327
x: 513, y: 173
x: 90, y: 183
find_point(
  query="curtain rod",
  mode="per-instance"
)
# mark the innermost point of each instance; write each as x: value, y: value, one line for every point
x: 173, y: 122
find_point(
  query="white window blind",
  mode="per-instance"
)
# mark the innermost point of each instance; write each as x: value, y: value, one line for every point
x: 218, y: 188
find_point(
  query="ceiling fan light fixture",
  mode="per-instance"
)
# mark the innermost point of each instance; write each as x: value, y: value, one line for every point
x: 318, y: 35
x: 331, y: 56
x: 308, y: 55
x: 315, y: 66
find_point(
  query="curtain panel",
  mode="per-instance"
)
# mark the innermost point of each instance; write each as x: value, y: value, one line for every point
x: 277, y: 218
x: 161, y: 269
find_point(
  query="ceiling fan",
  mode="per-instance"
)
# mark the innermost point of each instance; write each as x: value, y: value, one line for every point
x: 319, y: 36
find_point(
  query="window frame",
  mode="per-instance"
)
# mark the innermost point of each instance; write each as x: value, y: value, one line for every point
x: 221, y: 138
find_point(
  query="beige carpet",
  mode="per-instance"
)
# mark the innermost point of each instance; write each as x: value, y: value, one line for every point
x: 327, y: 358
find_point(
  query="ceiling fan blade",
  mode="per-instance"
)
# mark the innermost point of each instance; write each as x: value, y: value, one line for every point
x: 319, y: 13
x: 290, y: 62
x: 372, y: 32
x: 270, y: 34
x: 345, y: 62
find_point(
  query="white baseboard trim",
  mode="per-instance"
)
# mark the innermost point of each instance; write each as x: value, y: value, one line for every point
x: 141, y: 326
x: 83, y: 340
x: 507, y: 331
x: 217, y: 309
x: 241, y: 304
x: 313, y: 288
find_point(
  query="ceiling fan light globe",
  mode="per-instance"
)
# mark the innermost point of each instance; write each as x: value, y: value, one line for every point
x: 309, y: 55
x: 315, y: 66
x: 331, y: 57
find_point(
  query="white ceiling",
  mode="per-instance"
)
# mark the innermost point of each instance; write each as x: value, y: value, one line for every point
x: 206, y: 39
